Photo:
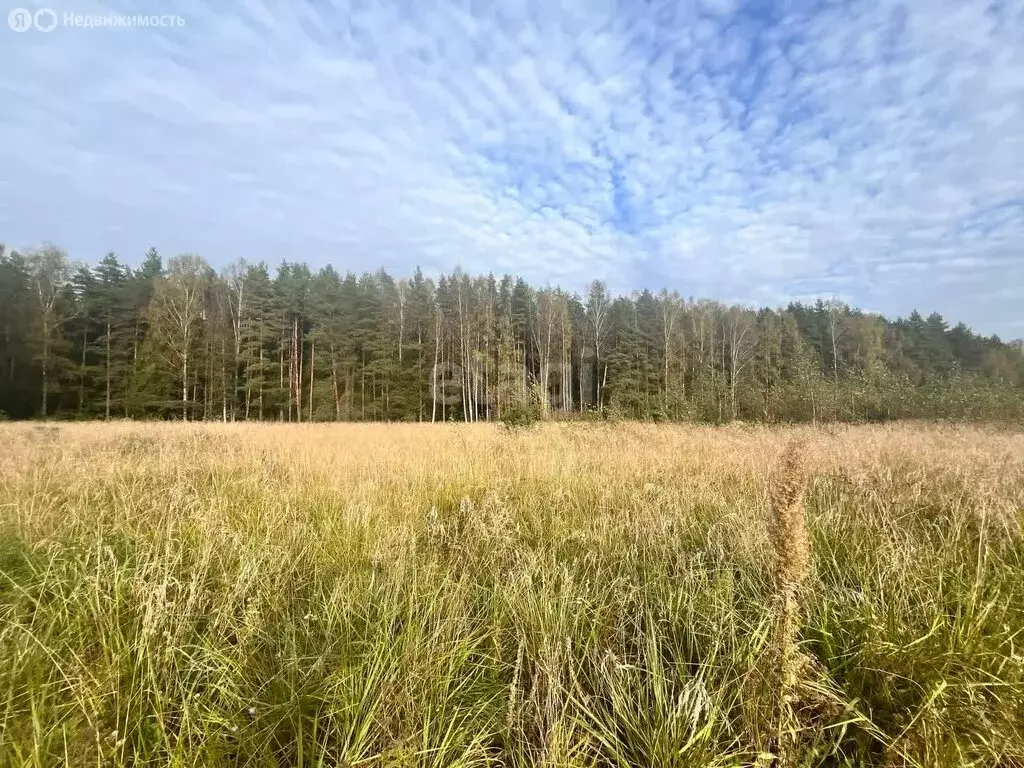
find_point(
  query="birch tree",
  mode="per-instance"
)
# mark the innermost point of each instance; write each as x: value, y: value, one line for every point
x: 49, y: 274
x: 598, y: 304
x: 177, y: 312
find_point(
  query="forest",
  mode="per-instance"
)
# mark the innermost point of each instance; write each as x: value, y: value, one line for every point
x: 178, y: 340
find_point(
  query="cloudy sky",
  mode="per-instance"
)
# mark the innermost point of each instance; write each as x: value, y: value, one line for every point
x: 753, y: 152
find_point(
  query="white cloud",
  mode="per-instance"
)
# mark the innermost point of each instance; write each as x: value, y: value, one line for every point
x: 873, y: 150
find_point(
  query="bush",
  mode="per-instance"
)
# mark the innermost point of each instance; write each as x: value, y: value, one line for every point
x: 518, y: 416
x: 658, y: 413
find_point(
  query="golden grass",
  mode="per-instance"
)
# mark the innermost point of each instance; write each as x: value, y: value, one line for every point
x: 787, y: 531
x: 600, y: 594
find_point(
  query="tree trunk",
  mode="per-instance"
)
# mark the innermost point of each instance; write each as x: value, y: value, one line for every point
x: 291, y: 383
x: 334, y: 385
x: 81, y: 370
x: 184, y: 387
x: 224, y: 386
x: 312, y: 368
x: 297, y: 369
x: 580, y: 379
x: 46, y: 362
x: 107, y: 410
x: 433, y: 372
x: 280, y: 383
x: 260, y: 404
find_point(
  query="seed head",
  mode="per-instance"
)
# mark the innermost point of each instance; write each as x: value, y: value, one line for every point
x: 786, y: 525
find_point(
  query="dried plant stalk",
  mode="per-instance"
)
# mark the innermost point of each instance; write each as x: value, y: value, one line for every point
x: 791, y: 547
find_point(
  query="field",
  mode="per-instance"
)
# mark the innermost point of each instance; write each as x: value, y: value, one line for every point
x: 462, y: 595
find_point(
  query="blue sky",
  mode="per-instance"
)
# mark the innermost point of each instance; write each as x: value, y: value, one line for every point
x: 751, y: 152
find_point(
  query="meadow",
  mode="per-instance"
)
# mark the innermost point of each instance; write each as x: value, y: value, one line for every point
x: 465, y: 595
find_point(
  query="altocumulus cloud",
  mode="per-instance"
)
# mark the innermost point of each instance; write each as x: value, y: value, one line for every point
x: 752, y: 152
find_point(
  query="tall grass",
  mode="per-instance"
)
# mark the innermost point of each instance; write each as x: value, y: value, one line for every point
x: 787, y: 530
x: 576, y: 595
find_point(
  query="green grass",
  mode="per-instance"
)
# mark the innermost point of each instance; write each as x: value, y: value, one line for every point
x: 584, y: 596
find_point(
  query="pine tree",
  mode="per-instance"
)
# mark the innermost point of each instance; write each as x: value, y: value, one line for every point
x: 16, y: 398
x: 112, y: 309
x: 113, y: 341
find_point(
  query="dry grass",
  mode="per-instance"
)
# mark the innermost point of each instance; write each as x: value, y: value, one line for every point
x: 574, y: 595
x: 787, y: 531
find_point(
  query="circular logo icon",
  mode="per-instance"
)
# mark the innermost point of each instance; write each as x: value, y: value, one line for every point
x: 45, y: 20
x: 20, y: 20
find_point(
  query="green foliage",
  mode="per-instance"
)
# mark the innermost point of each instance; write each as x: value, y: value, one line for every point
x: 293, y: 345
x: 518, y: 415
x: 17, y: 563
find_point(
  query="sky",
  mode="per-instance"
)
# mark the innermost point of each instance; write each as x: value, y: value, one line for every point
x: 756, y: 152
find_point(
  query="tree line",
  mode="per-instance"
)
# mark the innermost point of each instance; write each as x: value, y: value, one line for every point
x: 178, y: 340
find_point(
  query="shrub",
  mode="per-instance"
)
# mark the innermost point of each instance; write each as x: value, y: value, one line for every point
x: 518, y: 416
